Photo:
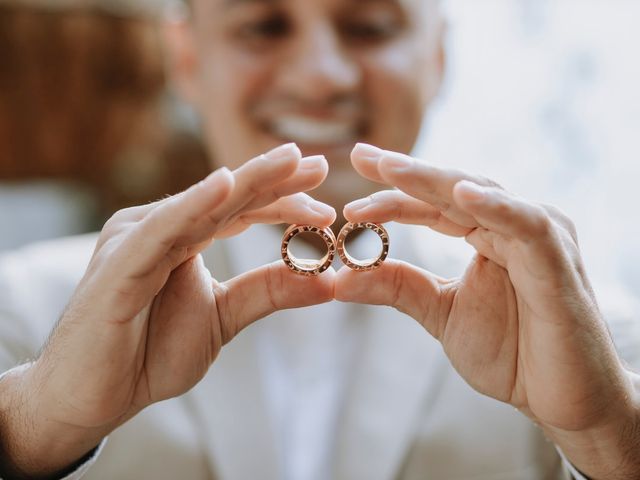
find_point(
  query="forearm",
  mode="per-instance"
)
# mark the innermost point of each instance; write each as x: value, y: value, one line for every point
x: 610, y: 451
x: 32, y: 444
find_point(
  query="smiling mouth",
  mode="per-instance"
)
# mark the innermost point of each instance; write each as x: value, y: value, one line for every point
x: 311, y: 132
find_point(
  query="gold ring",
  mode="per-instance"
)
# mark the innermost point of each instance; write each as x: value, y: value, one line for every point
x: 371, y: 263
x: 304, y: 266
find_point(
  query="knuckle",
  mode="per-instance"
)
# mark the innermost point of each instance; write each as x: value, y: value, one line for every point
x: 253, y: 187
x: 154, y: 216
x: 503, y: 208
x: 442, y: 206
x: 214, y: 221
x: 109, y: 241
x: 397, y: 210
x: 285, y: 190
x: 541, y: 223
x: 571, y: 229
x: 563, y: 220
x: 116, y: 220
x: 274, y: 282
x: 397, y: 283
x: 486, y: 181
x: 228, y: 324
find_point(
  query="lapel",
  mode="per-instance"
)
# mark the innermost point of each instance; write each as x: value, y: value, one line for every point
x: 398, y: 372
x: 397, y: 378
x: 229, y: 403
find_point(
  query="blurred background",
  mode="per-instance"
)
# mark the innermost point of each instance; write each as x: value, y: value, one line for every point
x: 541, y: 95
x: 86, y: 123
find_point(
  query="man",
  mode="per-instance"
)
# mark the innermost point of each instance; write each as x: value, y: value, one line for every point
x: 340, y: 390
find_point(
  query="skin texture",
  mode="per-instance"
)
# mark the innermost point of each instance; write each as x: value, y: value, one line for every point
x: 521, y: 325
x: 147, y: 306
x: 244, y: 64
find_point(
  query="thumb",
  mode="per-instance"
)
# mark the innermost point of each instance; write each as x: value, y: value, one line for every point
x: 265, y: 290
x: 407, y: 288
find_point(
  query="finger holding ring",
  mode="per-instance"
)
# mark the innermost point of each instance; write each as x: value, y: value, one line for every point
x: 303, y: 266
x: 368, y: 264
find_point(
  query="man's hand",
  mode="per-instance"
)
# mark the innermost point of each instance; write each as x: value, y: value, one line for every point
x: 147, y: 319
x: 522, y: 324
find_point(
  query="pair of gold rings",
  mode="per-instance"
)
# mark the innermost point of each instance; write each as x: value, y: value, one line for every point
x: 316, y: 267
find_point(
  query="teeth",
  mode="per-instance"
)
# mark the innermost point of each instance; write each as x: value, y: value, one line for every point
x: 314, y: 132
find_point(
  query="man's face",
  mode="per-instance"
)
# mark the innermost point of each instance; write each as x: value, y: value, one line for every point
x: 324, y: 74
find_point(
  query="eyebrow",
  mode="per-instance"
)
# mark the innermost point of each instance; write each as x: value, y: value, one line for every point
x: 394, y: 2
x: 233, y: 3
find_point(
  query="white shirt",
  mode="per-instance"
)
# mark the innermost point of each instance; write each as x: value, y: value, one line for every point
x: 306, y: 379
x: 306, y: 369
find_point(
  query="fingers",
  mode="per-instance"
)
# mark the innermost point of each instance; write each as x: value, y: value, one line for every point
x: 464, y: 200
x: 502, y: 212
x: 193, y: 217
x: 299, y: 209
x: 563, y: 221
x: 262, y: 181
x: 394, y: 206
x: 549, y: 245
x: 405, y: 287
x: 418, y: 179
x: 311, y: 172
x: 250, y: 180
x: 254, y: 190
x: 490, y: 245
x: 178, y: 222
x: 168, y: 224
x: 256, y: 294
x: 274, y: 204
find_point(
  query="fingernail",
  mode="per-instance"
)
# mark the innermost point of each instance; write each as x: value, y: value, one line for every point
x: 213, y: 177
x: 321, y: 209
x: 283, y: 153
x: 312, y: 163
x: 367, y: 152
x: 472, y: 191
x: 358, y: 204
x: 396, y: 162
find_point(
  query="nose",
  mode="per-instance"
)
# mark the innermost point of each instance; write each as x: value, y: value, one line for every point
x: 317, y: 67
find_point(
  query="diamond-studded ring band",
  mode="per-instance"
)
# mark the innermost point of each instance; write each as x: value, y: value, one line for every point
x: 304, y: 266
x: 363, y: 265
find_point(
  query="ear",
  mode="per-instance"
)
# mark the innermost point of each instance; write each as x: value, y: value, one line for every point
x: 182, y: 57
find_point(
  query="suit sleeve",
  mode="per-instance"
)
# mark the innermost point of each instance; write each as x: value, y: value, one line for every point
x: 572, y: 472
x: 36, y: 283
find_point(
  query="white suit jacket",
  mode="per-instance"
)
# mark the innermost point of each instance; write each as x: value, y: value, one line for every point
x: 407, y: 416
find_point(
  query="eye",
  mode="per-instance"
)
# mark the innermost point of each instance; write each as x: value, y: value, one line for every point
x: 377, y: 29
x: 270, y: 28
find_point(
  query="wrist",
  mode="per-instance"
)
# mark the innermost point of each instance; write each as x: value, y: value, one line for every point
x: 33, y: 445
x: 609, y: 449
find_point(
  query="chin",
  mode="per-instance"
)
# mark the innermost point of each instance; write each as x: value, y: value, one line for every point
x: 344, y: 187
x: 339, y: 155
